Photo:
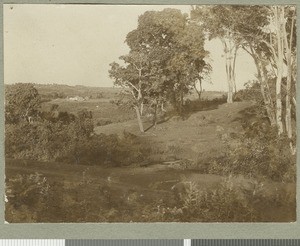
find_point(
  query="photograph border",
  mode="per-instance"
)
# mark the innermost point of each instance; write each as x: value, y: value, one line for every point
x: 142, y: 230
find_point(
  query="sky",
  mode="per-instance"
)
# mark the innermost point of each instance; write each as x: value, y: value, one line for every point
x: 74, y: 44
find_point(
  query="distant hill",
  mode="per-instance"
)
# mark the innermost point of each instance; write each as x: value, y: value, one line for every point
x: 52, y: 91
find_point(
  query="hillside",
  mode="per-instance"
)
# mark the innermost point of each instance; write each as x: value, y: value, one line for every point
x: 201, y: 136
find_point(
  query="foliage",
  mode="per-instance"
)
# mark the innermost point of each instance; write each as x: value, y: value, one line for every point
x: 46, y: 140
x: 166, y: 57
x: 37, y: 198
x: 22, y: 102
x: 228, y: 202
x: 251, y: 92
x: 258, y: 152
x: 33, y: 198
x: 108, y: 150
x: 25, y: 191
x: 61, y: 136
x: 201, y: 105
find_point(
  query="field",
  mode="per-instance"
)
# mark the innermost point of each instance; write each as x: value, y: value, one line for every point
x: 174, y: 182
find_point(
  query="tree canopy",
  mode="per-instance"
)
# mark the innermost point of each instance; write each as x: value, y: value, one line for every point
x: 166, y: 57
x: 22, y: 101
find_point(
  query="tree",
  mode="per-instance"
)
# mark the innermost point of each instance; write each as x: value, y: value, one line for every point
x: 281, y: 46
x: 131, y: 78
x: 202, y: 75
x: 157, y: 36
x: 219, y: 22
x: 188, y: 61
x: 288, y: 17
x: 269, y: 37
x: 172, y: 52
x: 165, y: 61
x: 268, y: 34
x: 250, y: 21
x: 22, y: 102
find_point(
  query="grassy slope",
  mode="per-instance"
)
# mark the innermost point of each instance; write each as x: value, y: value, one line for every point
x: 198, y: 136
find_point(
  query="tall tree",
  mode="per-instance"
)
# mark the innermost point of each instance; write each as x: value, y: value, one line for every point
x: 250, y: 21
x: 166, y: 57
x: 289, y: 16
x: 219, y: 22
x: 274, y: 44
x: 268, y: 34
x: 157, y: 35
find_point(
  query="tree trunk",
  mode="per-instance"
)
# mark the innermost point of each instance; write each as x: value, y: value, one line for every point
x: 233, y: 68
x: 162, y: 108
x: 229, y: 81
x: 288, y: 47
x: 229, y: 65
x: 268, y: 101
x: 199, y: 92
x: 288, y: 118
x: 138, y: 115
x: 279, y: 71
x: 142, y: 108
x: 155, y: 113
x: 230, y: 92
x: 181, y: 99
x: 264, y: 88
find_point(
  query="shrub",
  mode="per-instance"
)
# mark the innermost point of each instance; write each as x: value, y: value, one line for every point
x: 251, y: 92
x: 229, y: 202
x: 256, y: 152
x: 108, y: 150
x: 200, y: 105
x: 224, y: 204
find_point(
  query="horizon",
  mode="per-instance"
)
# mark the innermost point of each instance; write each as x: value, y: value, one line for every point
x: 89, y: 86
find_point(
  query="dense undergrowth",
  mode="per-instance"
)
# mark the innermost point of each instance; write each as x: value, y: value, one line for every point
x: 73, y: 143
x: 34, y: 198
x: 257, y: 152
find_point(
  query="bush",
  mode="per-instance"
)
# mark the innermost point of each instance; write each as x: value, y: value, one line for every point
x: 251, y: 92
x: 229, y: 202
x: 257, y: 152
x: 225, y: 204
x: 108, y: 150
x: 45, y: 140
x: 200, y: 105
x: 33, y: 198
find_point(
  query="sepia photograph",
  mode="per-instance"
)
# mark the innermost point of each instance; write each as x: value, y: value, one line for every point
x: 150, y: 113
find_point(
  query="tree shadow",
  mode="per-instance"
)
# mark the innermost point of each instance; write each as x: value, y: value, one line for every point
x: 158, y: 123
x: 190, y: 108
x: 197, y: 105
